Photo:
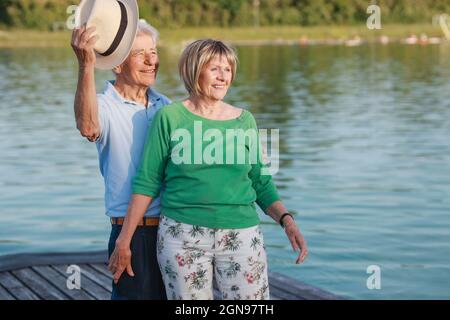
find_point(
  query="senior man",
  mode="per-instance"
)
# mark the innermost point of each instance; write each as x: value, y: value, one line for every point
x: 117, y: 121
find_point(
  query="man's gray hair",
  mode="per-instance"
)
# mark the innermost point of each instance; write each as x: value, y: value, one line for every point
x: 145, y: 28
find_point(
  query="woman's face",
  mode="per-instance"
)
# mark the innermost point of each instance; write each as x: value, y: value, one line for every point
x: 215, y: 78
x: 141, y: 66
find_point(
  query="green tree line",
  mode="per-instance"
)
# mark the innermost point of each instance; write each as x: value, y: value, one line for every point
x: 45, y: 14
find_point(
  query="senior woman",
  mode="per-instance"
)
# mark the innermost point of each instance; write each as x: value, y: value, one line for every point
x: 209, y: 224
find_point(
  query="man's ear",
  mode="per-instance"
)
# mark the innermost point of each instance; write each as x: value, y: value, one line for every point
x: 118, y: 69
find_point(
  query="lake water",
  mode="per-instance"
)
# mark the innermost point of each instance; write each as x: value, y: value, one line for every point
x: 364, y: 160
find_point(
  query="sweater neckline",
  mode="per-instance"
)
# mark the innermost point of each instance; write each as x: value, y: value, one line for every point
x: 194, y: 116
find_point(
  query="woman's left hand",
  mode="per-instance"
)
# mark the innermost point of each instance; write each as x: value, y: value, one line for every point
x: 296, y: 238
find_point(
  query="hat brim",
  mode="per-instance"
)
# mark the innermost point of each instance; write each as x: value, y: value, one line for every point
x: 123, y: 49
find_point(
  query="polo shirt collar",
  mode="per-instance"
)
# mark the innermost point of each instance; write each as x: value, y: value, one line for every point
x: 110, y: 90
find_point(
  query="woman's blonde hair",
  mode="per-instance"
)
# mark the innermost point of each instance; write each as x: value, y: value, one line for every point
x: 197, y: 55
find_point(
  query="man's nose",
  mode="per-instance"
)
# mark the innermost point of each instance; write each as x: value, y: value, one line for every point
x: 151, y: 58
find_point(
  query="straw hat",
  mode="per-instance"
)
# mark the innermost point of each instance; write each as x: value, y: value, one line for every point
x: 116, y: 26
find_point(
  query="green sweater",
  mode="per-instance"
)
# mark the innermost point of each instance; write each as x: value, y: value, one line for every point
x: 210, y: 178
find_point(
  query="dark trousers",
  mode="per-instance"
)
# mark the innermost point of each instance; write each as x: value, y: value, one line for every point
x: 147, y: 283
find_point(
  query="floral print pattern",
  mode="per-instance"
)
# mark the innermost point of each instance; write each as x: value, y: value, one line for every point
x: 231, y: 269
x: 231, y: 241
x: 197, y: 280
x: 188, y: 256
x: 191, y: 256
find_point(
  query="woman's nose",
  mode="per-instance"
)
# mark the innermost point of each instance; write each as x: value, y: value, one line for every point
x: 220, y: 75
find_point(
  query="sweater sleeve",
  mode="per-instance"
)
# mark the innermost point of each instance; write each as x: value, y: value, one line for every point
x: 266, y: 191
x: 150, y: 175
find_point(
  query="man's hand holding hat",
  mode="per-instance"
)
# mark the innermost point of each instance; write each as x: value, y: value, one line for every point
x: 83, y: 42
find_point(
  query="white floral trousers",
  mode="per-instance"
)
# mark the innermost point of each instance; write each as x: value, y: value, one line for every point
x: 190, y: 257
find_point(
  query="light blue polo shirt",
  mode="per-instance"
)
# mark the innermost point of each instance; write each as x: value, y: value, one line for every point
x: 123, y: 131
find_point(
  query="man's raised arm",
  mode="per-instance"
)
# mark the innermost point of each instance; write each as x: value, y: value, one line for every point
x: 85, y: 106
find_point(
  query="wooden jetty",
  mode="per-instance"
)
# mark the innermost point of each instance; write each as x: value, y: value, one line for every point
x: 43, y: 276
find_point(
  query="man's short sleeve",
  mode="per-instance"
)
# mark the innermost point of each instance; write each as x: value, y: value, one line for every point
x: 103, y: 119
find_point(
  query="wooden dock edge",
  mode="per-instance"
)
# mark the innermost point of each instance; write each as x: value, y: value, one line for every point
x: 18, y: 261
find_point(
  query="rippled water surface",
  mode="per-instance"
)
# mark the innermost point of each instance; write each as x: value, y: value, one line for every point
x: 364, y: 160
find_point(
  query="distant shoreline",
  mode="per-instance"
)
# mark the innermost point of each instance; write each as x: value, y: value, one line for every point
x: 283, y: 35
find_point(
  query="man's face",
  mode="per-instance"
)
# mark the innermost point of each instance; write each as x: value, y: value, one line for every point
x: 141, y: 66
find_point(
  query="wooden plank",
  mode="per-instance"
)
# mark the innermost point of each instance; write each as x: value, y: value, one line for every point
x: 96, y: 277
x: 98, y: 292
x: 39, y: 285
x: 25, y: 260
x: 274, y: 297
x: 277, y: 294
x: 5, y: 295
x: 280, y: 285
x: 298, y: 288
x: 103, y: 269
x: 60, y: 282
x: 16, y: 288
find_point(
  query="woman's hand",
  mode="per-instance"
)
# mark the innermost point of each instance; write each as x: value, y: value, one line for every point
x: 120, y: 261
x: 296, y: 238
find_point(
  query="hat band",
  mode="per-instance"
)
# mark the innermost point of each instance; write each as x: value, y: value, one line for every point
x: 120, y: 32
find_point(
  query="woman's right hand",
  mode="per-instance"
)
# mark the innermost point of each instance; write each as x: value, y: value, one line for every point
x: 82, y: 43
x: 120, y: 261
